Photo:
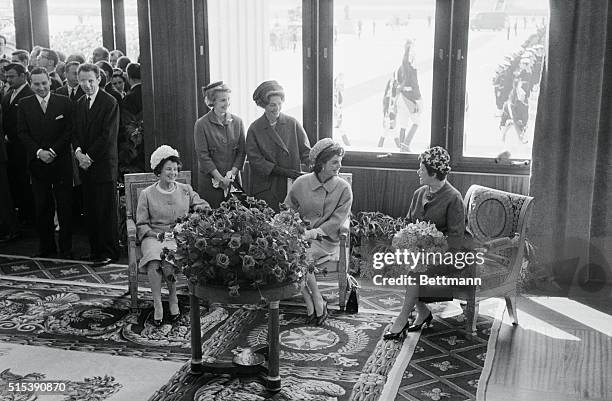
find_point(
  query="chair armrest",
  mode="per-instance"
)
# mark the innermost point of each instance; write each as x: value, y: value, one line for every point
x: 502, y: 243
x: 131, y: 230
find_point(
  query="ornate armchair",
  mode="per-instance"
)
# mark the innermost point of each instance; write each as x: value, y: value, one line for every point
x: 134, y: 184
x: 498, y: 220
x: 340, y: 266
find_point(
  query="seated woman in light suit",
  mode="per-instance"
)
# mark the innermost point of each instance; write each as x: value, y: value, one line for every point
x: 159, y: 205
x: 220, y: 145
x: 324, y: 201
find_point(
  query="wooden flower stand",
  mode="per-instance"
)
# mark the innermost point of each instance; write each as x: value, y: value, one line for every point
x: 269, y: 370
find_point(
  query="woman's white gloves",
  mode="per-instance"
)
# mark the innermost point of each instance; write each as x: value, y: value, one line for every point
x: 313, y: 234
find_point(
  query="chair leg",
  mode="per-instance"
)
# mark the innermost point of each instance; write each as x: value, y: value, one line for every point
x: 133, y: 286
x: 342, y: 284
x: 471, y: 313
x: 511, y: 305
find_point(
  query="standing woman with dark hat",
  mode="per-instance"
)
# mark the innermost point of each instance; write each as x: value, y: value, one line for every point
x: 220, y: 145
x: 276, y: 145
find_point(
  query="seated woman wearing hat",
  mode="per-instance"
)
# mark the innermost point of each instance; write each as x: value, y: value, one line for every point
x: 437, y: 202
x: 324, y: 201
x: 276, y: 145
x: 159, y: 205
x: 220, y: 145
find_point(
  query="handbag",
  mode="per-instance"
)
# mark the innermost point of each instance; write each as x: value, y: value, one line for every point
x: 237, y: 191
x: 352, y: 304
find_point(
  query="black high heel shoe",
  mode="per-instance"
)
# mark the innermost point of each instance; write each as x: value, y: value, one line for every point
x: 400, y: 335
x: 321, y: 319
x: 417, y: 327
x: 312, y: 318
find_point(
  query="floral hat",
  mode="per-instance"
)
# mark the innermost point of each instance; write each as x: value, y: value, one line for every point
x: 161, y: 153
x: 436, y: 158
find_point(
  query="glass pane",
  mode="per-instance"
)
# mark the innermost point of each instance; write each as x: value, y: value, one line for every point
x: 254, y: 41
x: 75, y: 27
x: 7, y: 28
x: 131, y: 29
x: 383, y: 74
x: 505, y: 51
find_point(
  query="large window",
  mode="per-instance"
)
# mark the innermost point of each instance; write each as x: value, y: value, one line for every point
x: 383, y: 74
x: 7, y: 27
x: 131, y: 29
x: 252, y: 41
x: 505, y: 52
x: 75, y: 26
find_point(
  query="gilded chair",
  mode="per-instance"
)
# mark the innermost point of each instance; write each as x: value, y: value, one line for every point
x: 498, y: 220
x: 134, y: 184
x: 341, y: 265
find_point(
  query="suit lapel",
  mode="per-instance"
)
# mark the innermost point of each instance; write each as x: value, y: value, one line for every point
x: 275, y: 137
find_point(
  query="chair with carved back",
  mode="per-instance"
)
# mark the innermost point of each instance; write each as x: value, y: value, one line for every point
x: 134, y: 184
x: 498, y: 220
x: 341, y: 265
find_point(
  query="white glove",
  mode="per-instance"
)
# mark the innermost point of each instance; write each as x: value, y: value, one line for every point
x: 312, y: 234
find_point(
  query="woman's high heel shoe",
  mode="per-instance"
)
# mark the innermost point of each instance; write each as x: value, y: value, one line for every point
x: 417, y: 327
x: 400, y: 335
x: 321, y: 319
x: 312, y: 318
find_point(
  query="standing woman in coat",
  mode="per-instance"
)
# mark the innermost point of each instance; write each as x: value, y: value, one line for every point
x: 220, y: 145
x: 276, y: 145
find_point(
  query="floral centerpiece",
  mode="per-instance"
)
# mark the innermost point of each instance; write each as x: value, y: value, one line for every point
x: 241, y: 246
x: 424, y: 242
x: 372, y: 232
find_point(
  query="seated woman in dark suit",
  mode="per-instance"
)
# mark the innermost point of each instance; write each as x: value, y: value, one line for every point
x: 438, y: 202
x: 159, y: 205
x: 324, y: 201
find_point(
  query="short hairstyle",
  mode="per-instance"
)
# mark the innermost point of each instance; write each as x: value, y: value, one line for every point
x: 326, y: 155
x: 102, y: 50
x: 76, y: 57
x: 39, y: 70
x: 72, y: 64
x: 51, y: 55
x: 117, y: 51
x: 106, y: 67
x: 2, y: 37
x: 19, y: 68
x: 133, y: 71
x: 432, y: 171
x: 210, y: 95
x: 87, y: 67
x: 157, y: 170
x: 123, y: 62
x: 22, y: 55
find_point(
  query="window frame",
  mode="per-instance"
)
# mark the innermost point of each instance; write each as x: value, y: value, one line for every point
x: 448, y: 93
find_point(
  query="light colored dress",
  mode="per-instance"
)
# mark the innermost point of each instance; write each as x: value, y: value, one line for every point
x: 326, y: 207
x: 157, y: 211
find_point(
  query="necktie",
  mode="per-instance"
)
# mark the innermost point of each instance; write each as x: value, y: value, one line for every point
x: 43, y: 106
x: 72, y: 94
x: 13, y: 95
x: 88, y: 103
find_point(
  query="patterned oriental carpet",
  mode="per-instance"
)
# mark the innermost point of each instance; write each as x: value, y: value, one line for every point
x: 345, y: 359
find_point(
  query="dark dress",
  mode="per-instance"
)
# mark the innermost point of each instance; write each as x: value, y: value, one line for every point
x: 445, y: 209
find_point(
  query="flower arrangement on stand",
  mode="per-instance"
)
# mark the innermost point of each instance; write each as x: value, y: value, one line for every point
x: 372, y: 232
x: 421, y: 238
x: 241, y: 247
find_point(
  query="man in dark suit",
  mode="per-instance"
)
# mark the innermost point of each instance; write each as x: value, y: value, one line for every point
x: 106, y: 83
x: 45, y: 126
x: 96, y: 125
x: 8, y: 221
x: 19, y: 181
x: 48, y: 59
x: 131, y: 119
x: 72, y: 89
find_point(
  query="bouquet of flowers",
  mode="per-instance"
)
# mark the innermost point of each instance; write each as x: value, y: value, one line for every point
x: 241, y: 246
x: 423, y: 240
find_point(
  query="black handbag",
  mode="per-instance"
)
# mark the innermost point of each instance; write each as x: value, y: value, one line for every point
x: 237, y: 191
x: 352, y: 304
